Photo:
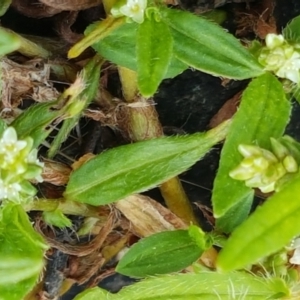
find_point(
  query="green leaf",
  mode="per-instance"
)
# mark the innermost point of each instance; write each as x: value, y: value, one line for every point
x: 8, y: 42
x: 206, y: 46
x: 204, y: 286
x: 160, y: 253
x: 91, y: 75
x: 263, y: 113
x: 35, y: 122
x: 4, y: 5
x: 200, y: 238
x: 267, y: 230
x: 56, y: 218
x: 21, y: 251
x: 94, y: 294
x: 137, y: 167
x: 292, y: 31
x: 235, y: 215
x: 119, y: 47
x: 154, y: 51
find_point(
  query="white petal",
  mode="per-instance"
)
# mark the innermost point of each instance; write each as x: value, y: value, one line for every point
x: 295, y: 259
x: 274, y: 40
x: 9, y: 136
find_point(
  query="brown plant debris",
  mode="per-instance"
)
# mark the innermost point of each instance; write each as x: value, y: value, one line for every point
x: 148, y: 216
x: 30, y: 80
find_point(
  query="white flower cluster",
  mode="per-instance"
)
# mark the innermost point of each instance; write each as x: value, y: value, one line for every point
x: 281, y: 58
x: 18, y: 164
x: 264, y: 169
x: 132, y: 9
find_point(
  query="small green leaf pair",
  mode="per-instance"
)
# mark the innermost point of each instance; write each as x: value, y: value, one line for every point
x: 165, y: 45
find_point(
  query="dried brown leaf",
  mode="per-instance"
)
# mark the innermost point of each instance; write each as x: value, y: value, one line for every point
x: 148, y: 216
x: 56, y: 173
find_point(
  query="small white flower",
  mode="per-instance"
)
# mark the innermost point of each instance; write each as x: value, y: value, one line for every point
x: 18, y: 164
x: 133, y: 9
x: 274, y: 40
x: 10, y: 147
x: 9, y: 191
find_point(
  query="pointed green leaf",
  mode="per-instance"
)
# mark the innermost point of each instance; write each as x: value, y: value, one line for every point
x: 134, y: 168
x: 267, y: 230
x: 4, y: 5
x: 120, y: 48
x: 263, y: 113
x: 56, y: 218
x: 292, y: 31
x: 21, y: 250
x: 9, y: 42
x: 236, y: 215
x: 154, y: 50
x: 206, y: 46
x: 160, y: 253
x: 35, y: 122
x: 204, y: 286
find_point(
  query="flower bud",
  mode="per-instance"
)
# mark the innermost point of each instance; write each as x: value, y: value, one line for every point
x: 281, y: 58
x: 264, y: 169
x: 133, y: 9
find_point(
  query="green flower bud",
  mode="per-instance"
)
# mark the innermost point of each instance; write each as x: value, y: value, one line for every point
x: 290, y: 164
x: 263, y: 169
x: 281, y: 58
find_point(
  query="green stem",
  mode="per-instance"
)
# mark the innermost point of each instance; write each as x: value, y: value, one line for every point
x: 141, y: 122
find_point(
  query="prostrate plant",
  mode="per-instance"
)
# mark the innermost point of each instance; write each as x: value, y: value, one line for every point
x: 158, y: 43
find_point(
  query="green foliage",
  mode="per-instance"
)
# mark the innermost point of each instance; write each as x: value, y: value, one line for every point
x: 205, y: 285
x: 266, y: 231
x: 292, y: 31
x: 163, y: 253
x: 263, y: 113
x: 210, y: 49
x: 56, y: 218
x: 8, y: 42
x: 124, y: 39
x: 4, y: 5
x: 21, y: 250
x: 35, y: 122
x: 154, y: 52
x: 107, y: 178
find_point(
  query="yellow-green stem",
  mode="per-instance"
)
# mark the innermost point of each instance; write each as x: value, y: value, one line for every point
x: 103, y: 29
x: 29, y: 48
x: 177, y: 200
x: 143, y: 123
